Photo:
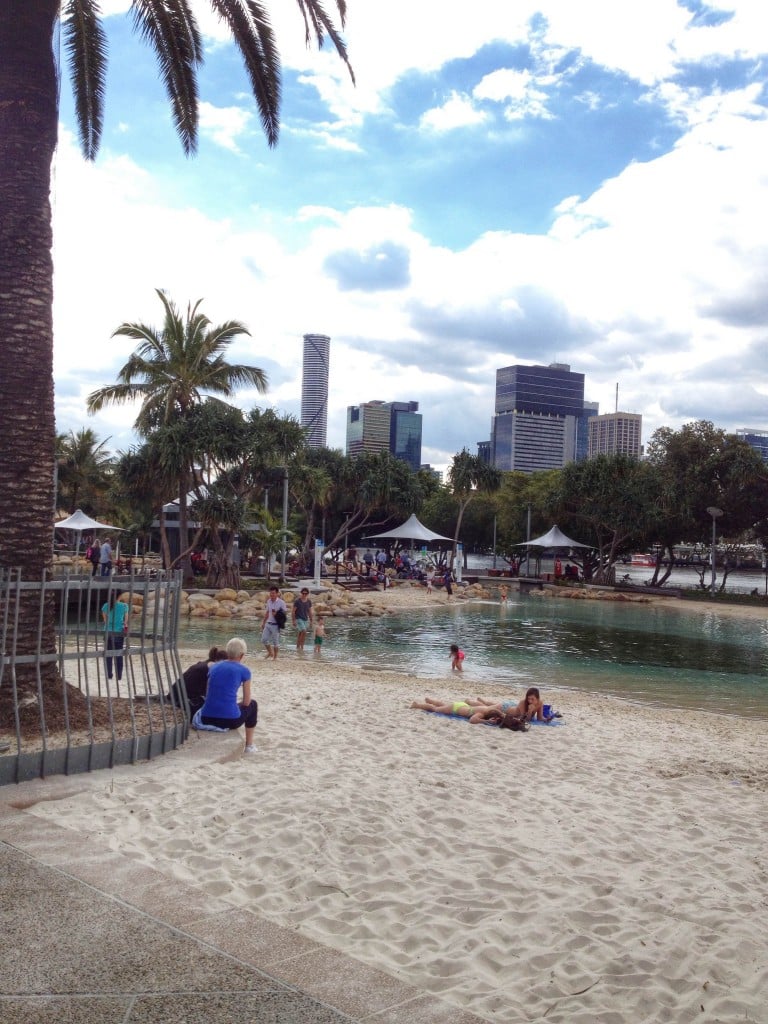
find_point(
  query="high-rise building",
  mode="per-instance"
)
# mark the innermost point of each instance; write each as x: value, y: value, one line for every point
x: 405, y: 433
x: 368, y: 428
x: 591, y: 409
x: 539, y: 411
x: 314, y: 389
x: 616, y: 433
x: 385, y: 426
x: 757, y: 439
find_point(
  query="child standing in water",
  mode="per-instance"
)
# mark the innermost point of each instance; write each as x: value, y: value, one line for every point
x: 430, y: 578
x: 503, y: 591
x: 319, y: 632
x: 457, y: 657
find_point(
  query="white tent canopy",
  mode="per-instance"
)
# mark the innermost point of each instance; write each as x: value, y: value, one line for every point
x: 80, y: 522
x: 411, y: 529
x: 554, y: 538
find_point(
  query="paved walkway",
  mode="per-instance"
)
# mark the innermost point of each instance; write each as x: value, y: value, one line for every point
x: 90, y: 936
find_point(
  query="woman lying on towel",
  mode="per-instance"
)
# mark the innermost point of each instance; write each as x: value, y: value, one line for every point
x: 530, y: 707
x: 489, y: 715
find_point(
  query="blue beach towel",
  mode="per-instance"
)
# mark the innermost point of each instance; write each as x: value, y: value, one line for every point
x: 461, y: 718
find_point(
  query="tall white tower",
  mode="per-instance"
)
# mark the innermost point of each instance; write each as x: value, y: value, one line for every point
x: 314, y: 389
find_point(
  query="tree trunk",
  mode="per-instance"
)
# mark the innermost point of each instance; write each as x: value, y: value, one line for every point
x: 28, y: 127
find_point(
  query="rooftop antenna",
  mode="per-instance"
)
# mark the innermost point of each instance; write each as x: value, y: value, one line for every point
x: 617, y: 397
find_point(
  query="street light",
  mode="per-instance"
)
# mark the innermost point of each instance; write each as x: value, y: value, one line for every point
x: 284, y: 552
x: 715, y: 513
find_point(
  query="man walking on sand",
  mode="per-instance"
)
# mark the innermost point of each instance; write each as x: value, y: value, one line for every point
x: 275, y: 613
x: 302, y: 617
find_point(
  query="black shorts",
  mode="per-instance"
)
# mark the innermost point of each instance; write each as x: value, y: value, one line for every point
x: 249, y: 714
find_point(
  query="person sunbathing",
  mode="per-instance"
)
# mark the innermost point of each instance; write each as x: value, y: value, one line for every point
x: 478, y: 715
x: 530, y: 707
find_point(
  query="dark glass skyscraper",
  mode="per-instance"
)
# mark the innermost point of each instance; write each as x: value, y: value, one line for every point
x: 539, y: 417
x: 314, y: 389
x: 405, y: 433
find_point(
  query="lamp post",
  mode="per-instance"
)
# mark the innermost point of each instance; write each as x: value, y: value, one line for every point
x: 715, y: 513
x: 284, y: 552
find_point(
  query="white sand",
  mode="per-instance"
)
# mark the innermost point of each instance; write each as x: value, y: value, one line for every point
x: 611, y: 871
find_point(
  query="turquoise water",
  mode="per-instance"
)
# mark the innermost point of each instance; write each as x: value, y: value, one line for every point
x: 645, y: 653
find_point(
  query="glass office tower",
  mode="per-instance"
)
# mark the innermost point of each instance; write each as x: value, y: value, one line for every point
x: 538, y: 412
x: 314, y: 389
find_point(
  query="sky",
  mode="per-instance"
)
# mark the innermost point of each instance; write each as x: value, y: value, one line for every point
x: 532, y: 181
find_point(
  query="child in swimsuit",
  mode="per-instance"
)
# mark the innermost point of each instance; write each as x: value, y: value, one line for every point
x: 457, y: 657
x: 319, y: 633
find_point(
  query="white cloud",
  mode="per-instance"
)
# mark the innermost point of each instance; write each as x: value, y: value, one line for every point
x: 224, y: 125
x: 457, y: 112
x: 521, y: 88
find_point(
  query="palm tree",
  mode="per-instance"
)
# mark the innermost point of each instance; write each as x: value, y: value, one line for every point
x: 469, y: 476
x: 84, y: 471
x: 29, y: 92
x: 171, y: 371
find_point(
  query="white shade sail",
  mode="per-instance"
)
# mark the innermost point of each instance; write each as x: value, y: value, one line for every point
x: 411, y: 529
x: 554, y: 538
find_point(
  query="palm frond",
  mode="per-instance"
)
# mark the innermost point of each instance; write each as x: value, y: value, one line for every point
x: 171, y: 29
x: 113, y: 394
x: 317, y: 23
x: 86, y: 46
x: 250, y: 27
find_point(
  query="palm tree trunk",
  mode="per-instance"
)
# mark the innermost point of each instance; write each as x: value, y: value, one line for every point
x: 185, y: 563
x: 28, y: 124
x: 28, y: 127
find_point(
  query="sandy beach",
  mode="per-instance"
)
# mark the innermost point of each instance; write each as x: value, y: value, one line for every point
x: 610, y: 869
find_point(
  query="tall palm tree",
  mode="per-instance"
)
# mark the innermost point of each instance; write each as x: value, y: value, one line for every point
x: 469, y: 476
x: 29, y: 101
x: 171, y: 371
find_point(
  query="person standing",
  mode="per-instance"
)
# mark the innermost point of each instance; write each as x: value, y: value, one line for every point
x: 94, y: 555
x: 430, y: 578
x: 105, y: 557
x: 301, y: 616
x: 457, y: 658
x: 448, y: 583
x: 274, y: 611
x: 221, y: 708
x: 115, y: 615
x: 319, y: 633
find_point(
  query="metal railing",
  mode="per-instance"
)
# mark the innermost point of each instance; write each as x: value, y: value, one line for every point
x: 63, y: 710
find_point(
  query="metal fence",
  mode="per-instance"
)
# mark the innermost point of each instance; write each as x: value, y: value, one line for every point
x: 64, y: 711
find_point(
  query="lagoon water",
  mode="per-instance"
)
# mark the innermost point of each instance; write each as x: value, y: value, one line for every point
x: 652, y: 654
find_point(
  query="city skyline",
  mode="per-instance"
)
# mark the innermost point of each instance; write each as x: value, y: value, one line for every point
x: 532, y: 184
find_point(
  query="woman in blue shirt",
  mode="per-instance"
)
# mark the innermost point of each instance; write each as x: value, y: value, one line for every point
x: 115, y: 615
x: 221, y: 707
